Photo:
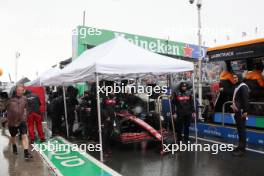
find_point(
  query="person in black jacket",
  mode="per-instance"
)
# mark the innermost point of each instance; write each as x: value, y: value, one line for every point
x: 3, y: 113
x: 240, y: 106
x: 108, y: 116
x: 227, y: 87
x: 71, y: 103
x: 56, y: 110
x: 183, y: 110
x: 88, y: 119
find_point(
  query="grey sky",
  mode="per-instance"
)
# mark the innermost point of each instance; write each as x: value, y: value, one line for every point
x: 41, y: 29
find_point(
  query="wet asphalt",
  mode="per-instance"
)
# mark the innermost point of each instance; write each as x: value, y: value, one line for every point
x: 132, y: 160
x: 15, y: 165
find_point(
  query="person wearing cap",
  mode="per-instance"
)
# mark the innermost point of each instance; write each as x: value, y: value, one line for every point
x: 240, y: 107
x: 34, y: 116
x: 86, y: 110
x: 183, y: 110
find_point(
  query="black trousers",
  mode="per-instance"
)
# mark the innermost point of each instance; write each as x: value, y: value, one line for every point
x: 71, y: 119
x: 56, y: 122
x: 182, y: 124
x: 241, y: 129
x: 87, y: 125
x: 106, y: 134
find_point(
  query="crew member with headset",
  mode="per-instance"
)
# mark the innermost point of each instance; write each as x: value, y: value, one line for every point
x: 109, y: 105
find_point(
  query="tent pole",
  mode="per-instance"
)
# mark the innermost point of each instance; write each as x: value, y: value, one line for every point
x: 45, y: 96
x: 168, y: 84
x: 137, y: 84
x: 45, y: 117
x: 194, y: 103
x: 169, y: 81
x: 99, y: 118
x: 45, y: 124
x: 65, y: 111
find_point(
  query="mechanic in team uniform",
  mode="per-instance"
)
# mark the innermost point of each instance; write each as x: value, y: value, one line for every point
x: 183, y: 110
x: 34, y: 116
x: 109, y: 105
x: 71, y: 103
x: 56, y: 111
x: 87, y: 113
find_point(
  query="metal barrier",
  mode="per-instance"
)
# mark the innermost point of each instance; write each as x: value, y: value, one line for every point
x: 230, y: 102
x: 223, y: 111
x: 159, y: 108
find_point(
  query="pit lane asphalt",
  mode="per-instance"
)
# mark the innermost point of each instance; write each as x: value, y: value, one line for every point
x: 131, y: 160
x: 15, y: 165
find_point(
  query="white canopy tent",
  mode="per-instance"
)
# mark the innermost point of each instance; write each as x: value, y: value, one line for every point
x: 44, y: 76
x: 113, y: 60
x: 117, y: 59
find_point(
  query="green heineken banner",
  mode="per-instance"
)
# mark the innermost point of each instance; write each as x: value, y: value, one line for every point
x: 66, y: 159
x: 86, y: 37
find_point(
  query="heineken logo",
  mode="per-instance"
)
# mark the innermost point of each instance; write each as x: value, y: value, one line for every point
x: 93, y: 37
x: 187, y: 51
x: 156, y: 46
